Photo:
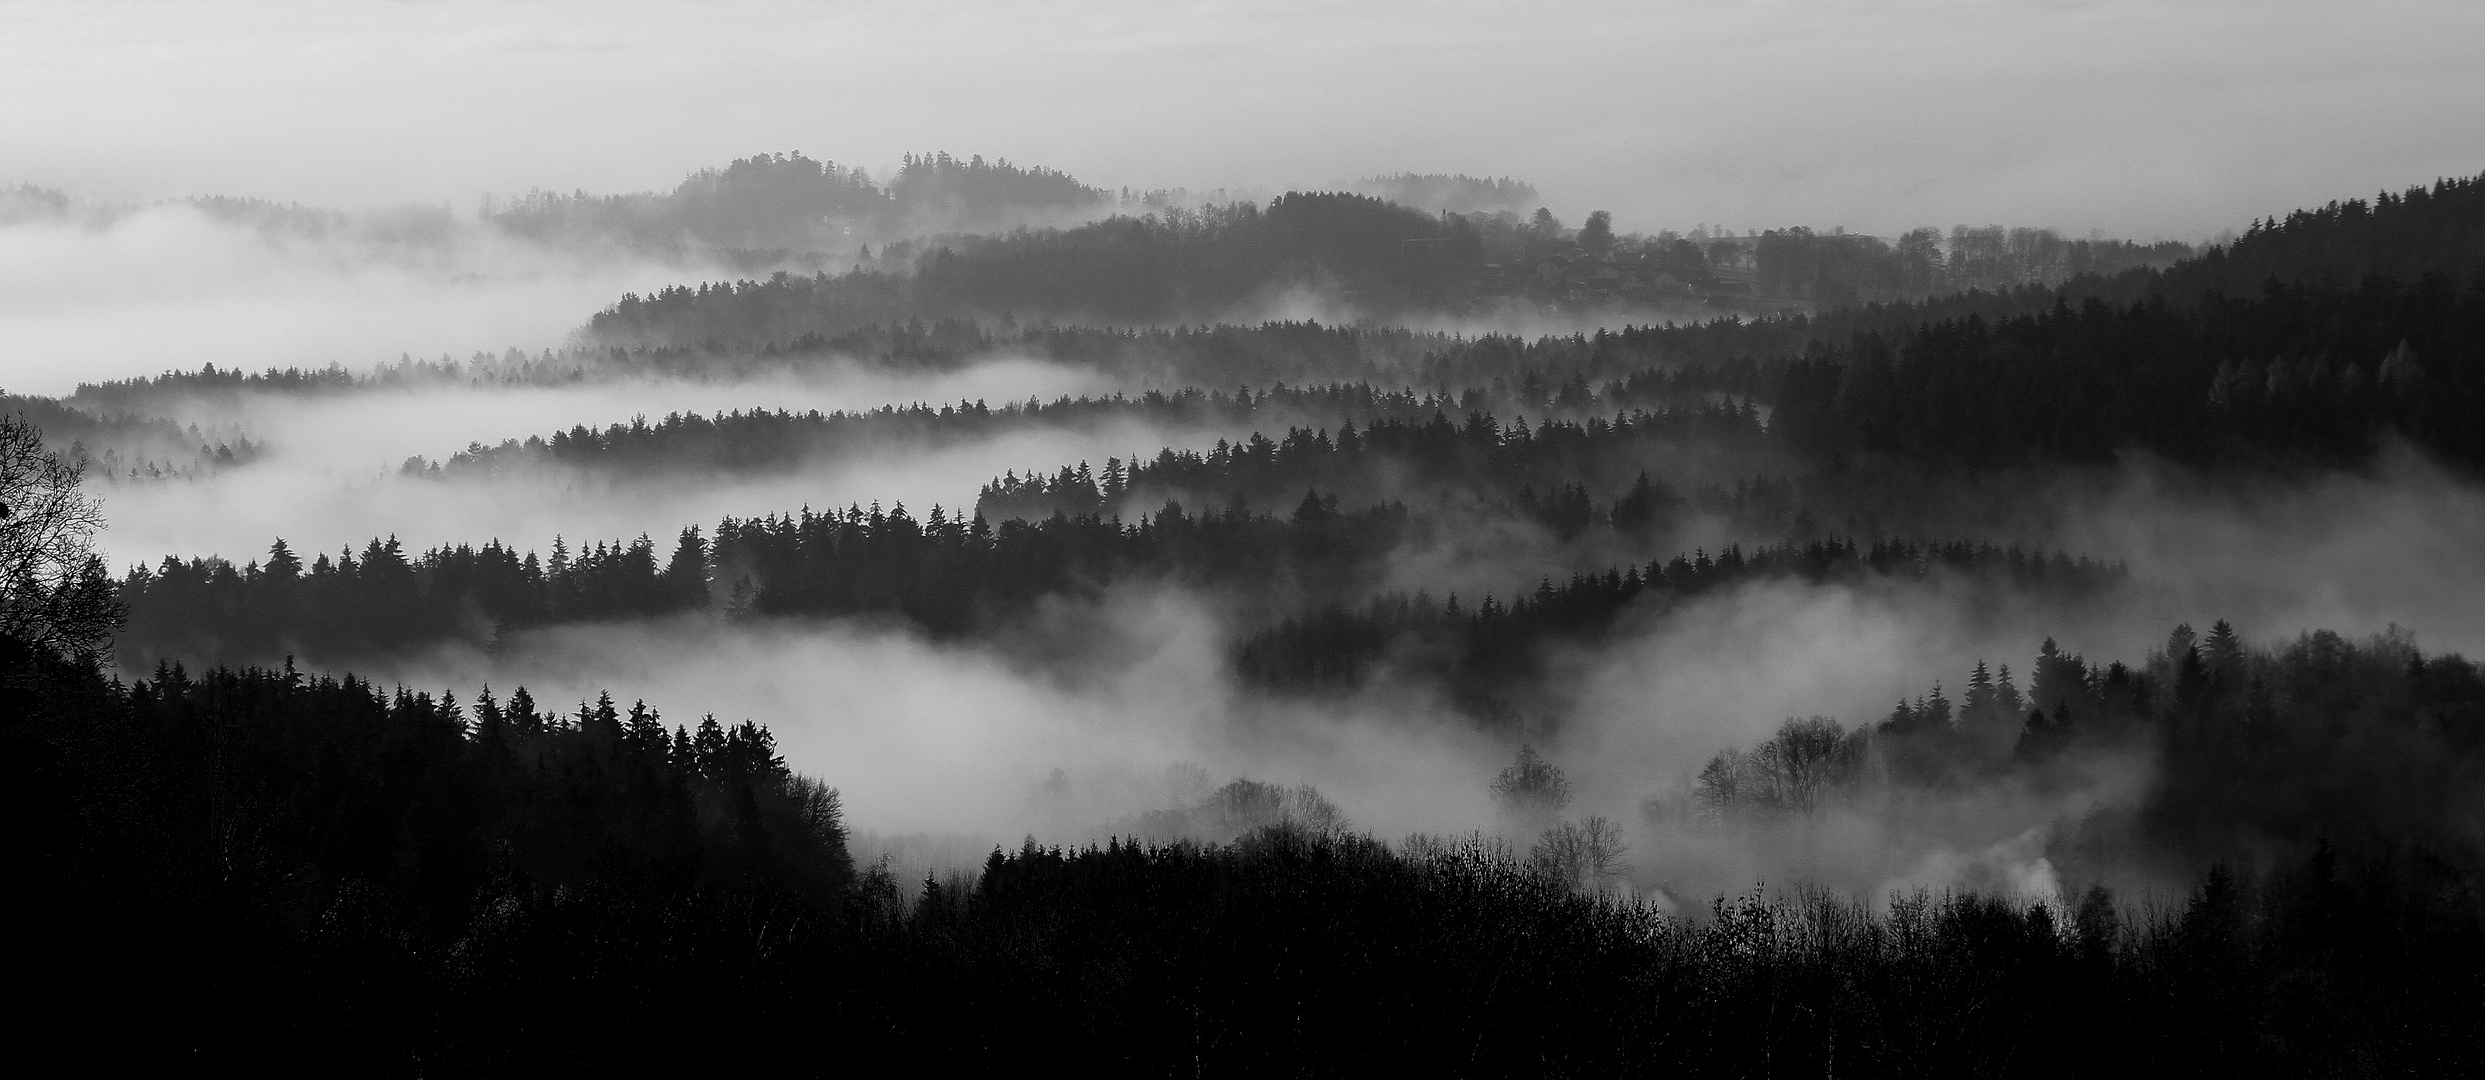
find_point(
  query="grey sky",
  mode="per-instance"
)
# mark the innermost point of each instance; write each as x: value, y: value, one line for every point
x: 2173, y: 119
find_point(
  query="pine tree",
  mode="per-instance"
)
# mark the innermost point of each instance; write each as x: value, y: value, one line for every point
x: 686, y: 575
x: 2223, y: 651
x: 645, y: 729
x: 2006, y: 694
x: 1936, y: 710
x: 523, y: 719
x: 708, y: 747
x: 604, y: 721
x: 1982, y: 702
x: 491, y: 727
x: 282, y: 564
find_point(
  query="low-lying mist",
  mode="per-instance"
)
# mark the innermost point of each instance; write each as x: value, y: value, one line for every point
x: 331, y: 469
x: 2357, y: 551
x: 1094, y: 714
x: 171, y: 285
x: 960, y: 738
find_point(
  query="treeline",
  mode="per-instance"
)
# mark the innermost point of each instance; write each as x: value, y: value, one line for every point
x: 2297, y: 375
x: 1840, y: 269
x: 2206, y: 361
x: 2403, y: 236
x: 946, y: 574
x: 961, y: 577
x: 1619, y: 368
x: 288, y: 840
x: 206, y: 610
x: 1681, y: 360
x: 1178, y: 264
x: 791, y: 205
x: 210, y: 381
x: 1484, y: 654
x: 2254, y: 751
x: 1367, y: 254
x: 2305, y: 341
x: 306, y: 871
x: 1457, y: 194
x: 1397, y: 458
x: 125, y: 447
x: 762, y: 440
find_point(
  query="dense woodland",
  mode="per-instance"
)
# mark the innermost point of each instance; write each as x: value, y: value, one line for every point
x: 949, y: 577
x: 1399, y: 458
x: 2368, y: 742
x: 788, y: 205
x: 391, y: 880
x: 2298, y: 375
x: 2261, y: 853
x: 763, y: 440
x: 1485, y: 655
x: 1365, y: 254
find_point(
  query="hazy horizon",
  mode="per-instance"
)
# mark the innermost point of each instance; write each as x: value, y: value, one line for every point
x: 1873, y: 116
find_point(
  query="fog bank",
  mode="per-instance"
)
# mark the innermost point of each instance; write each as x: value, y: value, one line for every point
x: 331, y: 473
x: 171, y: 287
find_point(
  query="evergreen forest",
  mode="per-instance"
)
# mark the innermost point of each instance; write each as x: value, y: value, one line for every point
x: 1384, y: 627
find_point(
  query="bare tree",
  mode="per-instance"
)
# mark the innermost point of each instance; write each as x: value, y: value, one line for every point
x: 1804, y: 761
x: 1791, y: 773
x: 1586, y: 855
x: 54, y: 593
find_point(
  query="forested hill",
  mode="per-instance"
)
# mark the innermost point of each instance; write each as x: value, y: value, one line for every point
x: 2404, y: 236
x: 1362, y: 254
x: 792, y: 205
x: 763, y: 440
x: 1180, y: 265
x: 964, y: 577
x: 2295, y: 375
x: 2292, y: 377
x: 2360, y: 741
x: 1421, y: 458
x: 2239, y: 348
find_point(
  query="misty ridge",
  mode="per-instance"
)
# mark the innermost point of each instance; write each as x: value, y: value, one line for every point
x: 977, y: 604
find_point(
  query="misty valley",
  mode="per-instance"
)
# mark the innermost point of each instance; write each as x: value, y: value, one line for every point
x: 977, y: 614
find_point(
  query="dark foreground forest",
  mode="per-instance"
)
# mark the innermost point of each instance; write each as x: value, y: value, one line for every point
x: 293, y: 871
x: 2220, y: 851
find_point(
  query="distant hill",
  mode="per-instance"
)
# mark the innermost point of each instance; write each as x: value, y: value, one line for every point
x: 795, y: 204
x: 1457, y: 194
x: 1178, y: 265
x: 1373, y: 257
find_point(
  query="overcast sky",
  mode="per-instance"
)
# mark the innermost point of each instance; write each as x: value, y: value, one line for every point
x: 2148, y: 119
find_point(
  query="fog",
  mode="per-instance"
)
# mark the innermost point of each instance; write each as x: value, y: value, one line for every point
x: 2355, y: 552
x: 1513, y: 317
x: 1069, y: 725
x: 1066, y: 726
x: 167, y: 286
x: 501, y: 494
x: 331, y: 474
x: 1876, y: 114
x: 922, y: 736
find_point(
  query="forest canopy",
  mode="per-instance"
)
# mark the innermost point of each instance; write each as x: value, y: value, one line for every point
x: 1365, y: 629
